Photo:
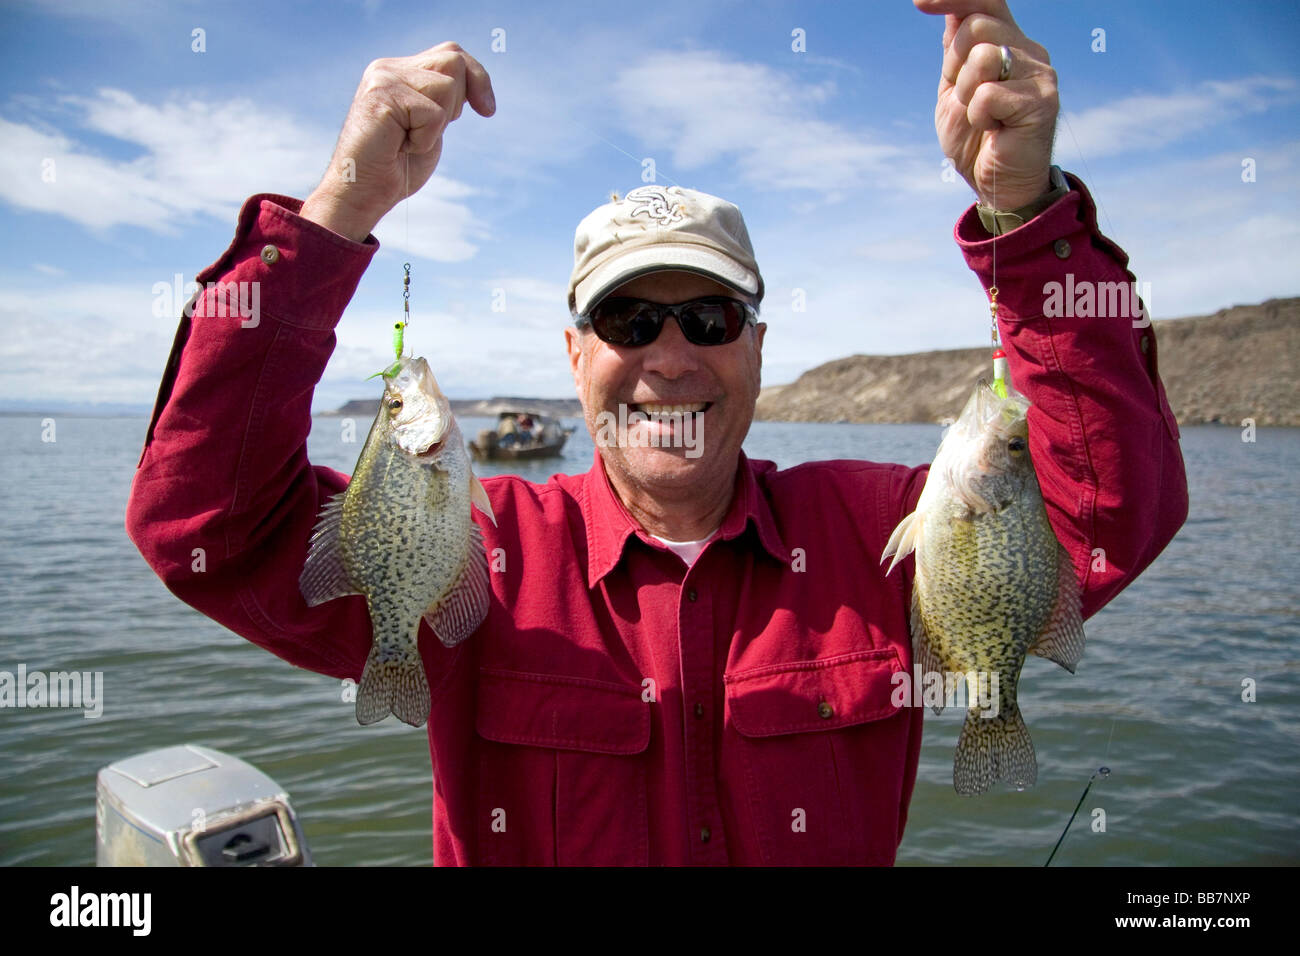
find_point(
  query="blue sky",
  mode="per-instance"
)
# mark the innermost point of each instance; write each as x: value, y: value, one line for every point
x: 830, y: 153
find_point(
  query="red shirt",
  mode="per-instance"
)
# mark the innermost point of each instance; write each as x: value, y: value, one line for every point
x: 615, y: 707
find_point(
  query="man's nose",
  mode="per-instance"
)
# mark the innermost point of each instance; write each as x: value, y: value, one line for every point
x: 671, y: 355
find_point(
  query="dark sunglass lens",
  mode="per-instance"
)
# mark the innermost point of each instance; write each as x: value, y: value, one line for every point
x: 626, y: 322
x: 713, y: 323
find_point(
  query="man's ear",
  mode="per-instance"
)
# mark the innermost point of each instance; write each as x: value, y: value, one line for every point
x: 573, y: 342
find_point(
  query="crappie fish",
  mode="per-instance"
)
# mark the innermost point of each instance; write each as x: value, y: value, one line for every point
x: 992, y: 583
x: 402, y: 535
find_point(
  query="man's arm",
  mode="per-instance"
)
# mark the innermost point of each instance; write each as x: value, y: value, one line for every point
x: 1103, y: 439
x: 224, y: 499
x: 1102, y: 436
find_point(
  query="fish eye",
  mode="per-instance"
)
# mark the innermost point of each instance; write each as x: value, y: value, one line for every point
x: 394, y: 405
x: 1016, y: 445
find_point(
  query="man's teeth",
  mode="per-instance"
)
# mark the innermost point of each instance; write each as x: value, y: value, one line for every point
x: 688, y: 409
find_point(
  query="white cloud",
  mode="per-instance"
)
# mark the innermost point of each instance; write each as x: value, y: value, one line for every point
x: 198, y: 158
x: 1201, y: 236
x: 898, y: 250
x: 77, y: 185
x: 1149, y: 121
x: 700, y: 107
x: 461, y: 352
x: 552, y: 295
x: 82, y: 341
x: 119, y: 347
x: 435, y: 223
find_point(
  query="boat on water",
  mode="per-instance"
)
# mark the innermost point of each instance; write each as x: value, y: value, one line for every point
x: 189, y: 805
x: 521, y: 433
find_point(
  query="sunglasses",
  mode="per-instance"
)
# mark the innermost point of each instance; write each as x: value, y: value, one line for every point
x: 631, y: 323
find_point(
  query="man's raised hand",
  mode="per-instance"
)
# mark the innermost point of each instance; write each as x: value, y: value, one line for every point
x: 997, y: 133
x: 401, y: 108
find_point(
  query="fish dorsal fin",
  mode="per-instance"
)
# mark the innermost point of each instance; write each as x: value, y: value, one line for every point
x: 462, y: 609
x: 478, y: 495
x: 1062, y: 638
x: 904, y: 539
x: 324, y: 577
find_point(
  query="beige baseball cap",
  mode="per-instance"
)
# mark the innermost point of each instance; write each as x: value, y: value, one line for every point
x: 654, y: 228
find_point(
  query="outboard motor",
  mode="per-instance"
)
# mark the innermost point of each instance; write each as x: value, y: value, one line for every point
x: 192, y: 806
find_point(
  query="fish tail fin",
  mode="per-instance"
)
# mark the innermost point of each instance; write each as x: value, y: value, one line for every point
x: 393, y: 685
x: 993, y: 748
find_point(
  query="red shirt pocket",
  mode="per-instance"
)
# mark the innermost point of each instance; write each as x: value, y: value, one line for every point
x: 822, y: 749
x: 562, y: 777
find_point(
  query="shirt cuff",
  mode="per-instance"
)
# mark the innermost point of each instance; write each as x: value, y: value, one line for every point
x: 295, y: 261
x: 1046, y: 247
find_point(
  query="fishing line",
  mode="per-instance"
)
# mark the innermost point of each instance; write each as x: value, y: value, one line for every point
x: 999, y: 356
x: 1087, y: 172
x: 1000, y: 388
x: 406, y: 203
x: 1105, y: 772
x: 615, y: 146
x: 399, y: 328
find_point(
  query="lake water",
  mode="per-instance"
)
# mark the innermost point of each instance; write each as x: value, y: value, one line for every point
x: 1197, y: 775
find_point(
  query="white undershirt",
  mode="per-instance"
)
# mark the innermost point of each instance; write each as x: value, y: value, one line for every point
x: 688, y: 551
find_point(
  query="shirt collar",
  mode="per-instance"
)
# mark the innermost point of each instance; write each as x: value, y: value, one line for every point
x: 609, y: 524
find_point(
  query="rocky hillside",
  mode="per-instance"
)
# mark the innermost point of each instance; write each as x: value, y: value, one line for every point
x: 1238, y: 363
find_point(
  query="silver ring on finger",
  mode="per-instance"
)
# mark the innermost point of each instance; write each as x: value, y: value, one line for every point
x: 1005, y: 72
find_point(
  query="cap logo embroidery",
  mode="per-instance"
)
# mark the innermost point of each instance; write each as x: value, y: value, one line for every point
x: 655, y: 202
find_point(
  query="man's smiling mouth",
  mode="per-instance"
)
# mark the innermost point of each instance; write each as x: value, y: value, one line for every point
x: 660, y: 410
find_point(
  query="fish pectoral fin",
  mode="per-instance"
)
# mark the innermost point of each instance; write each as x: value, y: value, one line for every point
x: 904, y: 540
x: 924, y: 659
x: 324, y: 577
x: 478, y: 495
x: 461, y: 610
x: 1062, y: 638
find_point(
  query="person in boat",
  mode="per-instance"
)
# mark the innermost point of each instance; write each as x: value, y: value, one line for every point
x: 508, y: 431
x: 688, y: 658
x: 526, y: 433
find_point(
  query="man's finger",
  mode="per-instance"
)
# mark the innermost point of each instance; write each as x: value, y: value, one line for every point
x: 425, y: 120
x: 984, y: 65
x: 979, y: 28
x: 449, y: 58
x: 425, y: 58
x: 950, y: 25
x: 964, y: 8
x: 974, y: 30
x: 478, y: 87
x: 444, y: 84
x: 955, y: 11
x: 1011, y: 104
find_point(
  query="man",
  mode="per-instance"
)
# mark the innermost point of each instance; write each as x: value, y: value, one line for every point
x: 687, y: 658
